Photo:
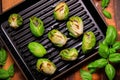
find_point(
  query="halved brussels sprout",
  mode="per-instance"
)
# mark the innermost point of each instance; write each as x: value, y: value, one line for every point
x: 75, y: 26
x: 61, y: 11
x: 37, y: 49
x: 57, y: 38
x: 46, y: 66
x: 88, y: 42
x: 36, y: 26
x: 69, y: 54
x: 15, y: 20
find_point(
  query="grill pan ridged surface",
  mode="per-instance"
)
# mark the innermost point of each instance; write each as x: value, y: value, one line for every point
x: 43, y: 9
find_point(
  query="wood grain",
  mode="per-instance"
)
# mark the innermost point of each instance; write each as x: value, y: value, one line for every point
x: 7, y: 4
x: 76, y: 75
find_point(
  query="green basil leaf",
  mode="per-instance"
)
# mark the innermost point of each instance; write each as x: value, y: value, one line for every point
x: 105, y: 3
x: 100, y: 63
x: 85, y: 75
x: 112, y: 50
x: 103, y: 50
x: 110, y: 71
x: 92, y: 70
x: 8, y: 78
x: 116, y: 45
x: 11, y: 70
x: 4, y: 74
x: 107, y: 14
x: 3, y: 56
x: 111, y: 35
x: 115, y: 58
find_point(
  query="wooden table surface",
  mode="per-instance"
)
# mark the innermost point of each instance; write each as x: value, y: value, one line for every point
x: 7, y: 4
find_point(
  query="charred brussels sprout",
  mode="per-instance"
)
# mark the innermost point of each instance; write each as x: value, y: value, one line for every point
x: 15, y: 20
x: 37, y: 49
x: 36, y: 26
x: 46, y: 66
x: 88, y: 42
x: 61, y: 11
x: 75, y: 26
x: 69, y: 54
x: 57, y: 38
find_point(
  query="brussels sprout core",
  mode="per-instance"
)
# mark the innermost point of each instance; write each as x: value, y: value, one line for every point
x: 61, y: 11
x: 57, y: 38
x: 69, y: 54
x: 75, y: 26
x: 46, y: 66
x: 15, y: 20
x: 88, y: 42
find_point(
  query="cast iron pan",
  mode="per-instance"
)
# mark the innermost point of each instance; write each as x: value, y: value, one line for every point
x: 18, y: 39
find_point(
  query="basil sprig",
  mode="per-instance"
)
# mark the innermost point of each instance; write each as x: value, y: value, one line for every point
x: 6, y: 74
x: 108, y: 51
x: 107, y: 48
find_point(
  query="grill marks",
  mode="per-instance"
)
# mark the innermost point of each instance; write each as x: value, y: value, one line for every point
x: 76, y: 24
x: 60, y: 8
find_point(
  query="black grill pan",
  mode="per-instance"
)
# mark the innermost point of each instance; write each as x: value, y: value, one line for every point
x: 17, y: 40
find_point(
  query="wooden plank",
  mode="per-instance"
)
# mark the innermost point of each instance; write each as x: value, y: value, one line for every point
x: 7, y: 4
x: 0, y: 6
